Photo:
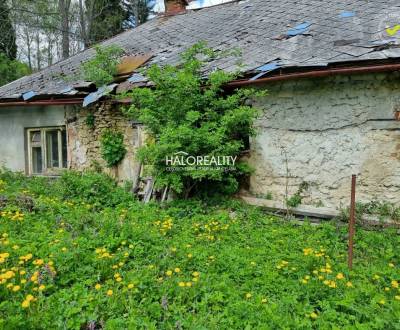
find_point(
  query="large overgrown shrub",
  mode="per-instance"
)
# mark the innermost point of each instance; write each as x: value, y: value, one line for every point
x: 186, y: 113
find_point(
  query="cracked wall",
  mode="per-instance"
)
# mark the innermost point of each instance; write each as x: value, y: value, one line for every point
x: 322, y: 131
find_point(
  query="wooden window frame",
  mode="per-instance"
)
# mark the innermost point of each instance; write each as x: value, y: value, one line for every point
x: 46, y: 171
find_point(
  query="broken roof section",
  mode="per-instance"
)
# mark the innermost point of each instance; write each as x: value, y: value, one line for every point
x: 317, y: 34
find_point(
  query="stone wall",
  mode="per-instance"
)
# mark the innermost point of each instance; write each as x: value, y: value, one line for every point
x: 322, y: 131
x: 84, y: 147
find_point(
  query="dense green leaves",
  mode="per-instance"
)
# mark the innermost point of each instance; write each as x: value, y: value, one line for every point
x: 103, y: 66
x: 112, y: 147
x: 197, y: 264
x: 8, y: 45
x: 11, y: 70
x: 185, y: 113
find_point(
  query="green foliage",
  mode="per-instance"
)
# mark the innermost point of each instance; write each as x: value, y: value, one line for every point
x: 185, y: 113
x: 297, y: 198
x: 11, y: 70
x: 8, y: 45
x: 375, y: 208
x: 294, y: 201
x: 90, y: 121
x: 103, y: 66
x: 109, y: 16
x: 112, y: 147
x: 241, y: 269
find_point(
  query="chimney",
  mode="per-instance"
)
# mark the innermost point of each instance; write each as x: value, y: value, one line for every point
x: 173, y: 7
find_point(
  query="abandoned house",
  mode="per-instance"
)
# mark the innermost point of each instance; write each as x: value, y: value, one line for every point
x: 332, y: 110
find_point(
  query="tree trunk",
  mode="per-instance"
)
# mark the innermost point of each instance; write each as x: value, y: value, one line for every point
x: 63, y: 7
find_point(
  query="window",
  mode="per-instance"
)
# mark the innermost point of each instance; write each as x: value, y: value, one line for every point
x: 47, y: 150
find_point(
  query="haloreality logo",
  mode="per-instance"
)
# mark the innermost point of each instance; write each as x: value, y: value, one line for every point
x: 183, y: 161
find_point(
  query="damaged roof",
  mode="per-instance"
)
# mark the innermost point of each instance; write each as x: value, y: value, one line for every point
x: 271, y: 34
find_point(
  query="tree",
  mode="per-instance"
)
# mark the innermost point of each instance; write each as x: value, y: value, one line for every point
x: 105, y: 19
x: 183, y: 113
x: 8, y: 44
x: 11, y: 69
x: 64, y: 10
x: 138, y: 11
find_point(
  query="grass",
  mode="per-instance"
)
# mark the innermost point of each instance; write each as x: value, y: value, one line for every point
x: 78, y: 253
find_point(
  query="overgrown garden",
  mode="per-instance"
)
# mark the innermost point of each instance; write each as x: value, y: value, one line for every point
x: 79, y: 253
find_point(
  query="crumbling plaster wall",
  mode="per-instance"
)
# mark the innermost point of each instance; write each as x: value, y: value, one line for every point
x: 84, y: 147
x: 322, y: 131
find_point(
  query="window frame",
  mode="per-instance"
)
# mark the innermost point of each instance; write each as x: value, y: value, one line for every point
x: 46, y: 171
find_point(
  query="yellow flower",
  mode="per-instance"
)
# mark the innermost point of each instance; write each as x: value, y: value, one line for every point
x: 109, y: 293
x: 395, y: 284
x: 16, y: 288
x: 307, y: 277
x: 64, y: 249
x: 181, y: 284
x: 23, y: 281
x: 188, y: 284
x: 252, y: 263
x: 196, y: 274
x: 130, y: 286
x: 189, y: 255
x: 177, y: 270
x: 264, y: 301
x: 97, y: 286
x: 168, y: 273
x: 118, y: 279
x: 25, y: 304
x: 195, y: 279
x: 248, y: 295
x: 376, y: 277
x: 304, y: 281
x: 340, y: 276
x: 29, y: 297
x: 116, y: 275
x: 391, y: 265
x: 397, y: 297
x: 42, y: 287
x: 382, y: 302
x: 22, y: 272
x: 387, y: 289
x: 313, y: 315
x: 349, y: 284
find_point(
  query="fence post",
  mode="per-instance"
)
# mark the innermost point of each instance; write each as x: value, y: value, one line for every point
x: 352, y: 221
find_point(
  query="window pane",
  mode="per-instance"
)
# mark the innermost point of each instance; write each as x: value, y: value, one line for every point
x: 37, y: 164
x: 64, y: 148
x: 35, y: 137
x: 52, y: 149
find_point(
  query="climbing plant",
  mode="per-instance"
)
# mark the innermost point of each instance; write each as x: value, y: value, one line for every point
x: 113, y: 149
x: 184, y: 113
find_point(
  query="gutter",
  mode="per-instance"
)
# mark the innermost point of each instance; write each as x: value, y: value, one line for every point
x: 318, y: 74
x: 45, y: 102
x: 237, y: 83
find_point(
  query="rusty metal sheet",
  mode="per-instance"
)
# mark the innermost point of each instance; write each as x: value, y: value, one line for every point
x: 131, y: 63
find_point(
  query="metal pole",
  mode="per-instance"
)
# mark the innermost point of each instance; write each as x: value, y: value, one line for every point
x: 352, y: 221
